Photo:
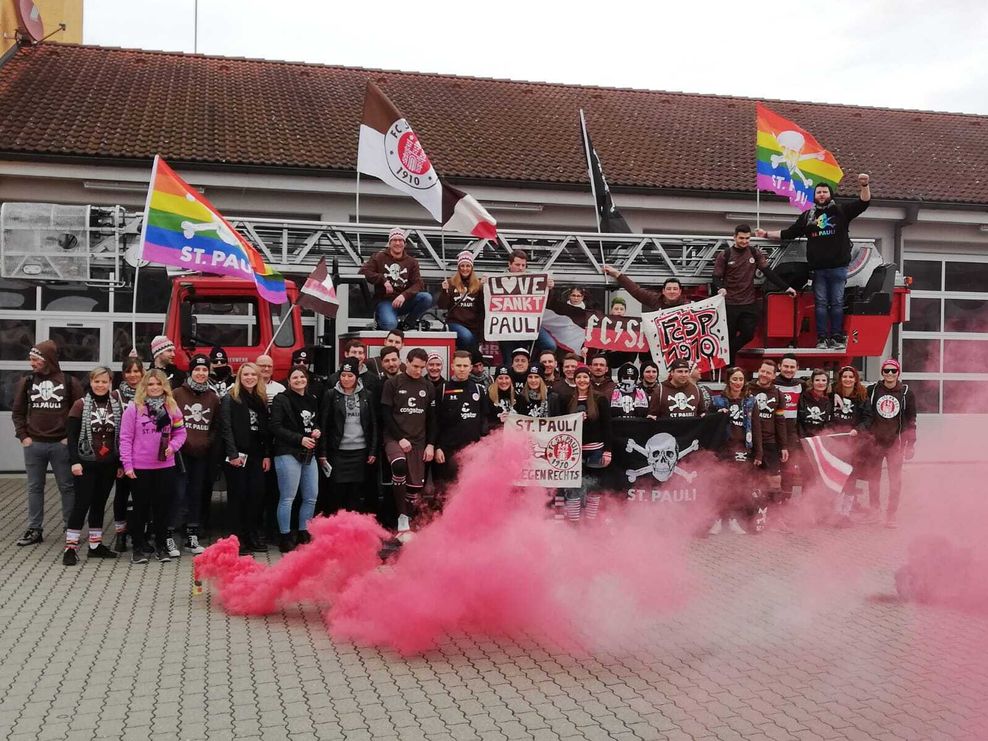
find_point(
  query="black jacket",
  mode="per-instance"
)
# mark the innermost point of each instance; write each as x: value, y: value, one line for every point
x: 333, y: 411
x: 287, y: 427
x: 828, y: 243
x: 462, y: 411
x: 235, y: 428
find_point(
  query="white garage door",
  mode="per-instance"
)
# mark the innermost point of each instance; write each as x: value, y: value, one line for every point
x: 945, y: 342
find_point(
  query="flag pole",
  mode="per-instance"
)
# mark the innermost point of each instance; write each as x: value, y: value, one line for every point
x: 281, y: 324
x: 140, y: 253
x: 758, y: 206
x: 593, y: 188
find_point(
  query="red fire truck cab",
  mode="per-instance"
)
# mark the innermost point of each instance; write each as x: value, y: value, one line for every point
x: 209, y: 311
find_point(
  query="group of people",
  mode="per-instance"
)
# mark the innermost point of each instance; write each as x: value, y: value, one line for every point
x: 400, y: 297
x: 161, y: 436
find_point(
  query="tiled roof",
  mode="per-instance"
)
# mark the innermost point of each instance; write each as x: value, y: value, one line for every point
x: 85, y: 101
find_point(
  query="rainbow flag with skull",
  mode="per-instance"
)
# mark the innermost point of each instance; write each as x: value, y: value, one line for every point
x: 791, y: 162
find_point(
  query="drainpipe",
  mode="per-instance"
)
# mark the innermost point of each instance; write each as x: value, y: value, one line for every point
x: 898, y: 250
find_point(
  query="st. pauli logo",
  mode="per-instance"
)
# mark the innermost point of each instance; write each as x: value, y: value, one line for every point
x: 556, y: 457
x: 406, y: 157
x: 695, y: 332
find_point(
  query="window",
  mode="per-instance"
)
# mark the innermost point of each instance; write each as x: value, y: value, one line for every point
x: 74, y: 297
x: 122, y: 342
x: 963, y: 315
x: 965, y: 356
x: 924, y: 315
x: 76, y: 344
x: 17, y: 336
x: 927, y: 395
x: 966, y: 276
x: 225, y: 322
x: 965, y: 397
x: 17, y: 294
x: 921, y: 356
x: 926, y: 274
x: 283, y: 322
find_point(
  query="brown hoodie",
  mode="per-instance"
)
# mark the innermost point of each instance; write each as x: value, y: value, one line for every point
x: 43, y: 399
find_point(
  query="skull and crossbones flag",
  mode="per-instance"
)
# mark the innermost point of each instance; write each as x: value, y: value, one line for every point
x: 390, y: 150
x: 791, y: 162
x: 653, y: 452
x: 318, y: 293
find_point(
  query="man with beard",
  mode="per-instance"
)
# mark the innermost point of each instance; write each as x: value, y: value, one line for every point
x: 828, y: 252
x: 163, y: 354
x: 396, y: 339
x: 670, y: 295
x: 478, y: 370
x: 390, y: 363
x: 40, y: 415
x: 462, y: 409
x: 600, y: 376
x: 650, y: 377
x: 677, y: 397
x: 791, y: 388
x: 398, y: 288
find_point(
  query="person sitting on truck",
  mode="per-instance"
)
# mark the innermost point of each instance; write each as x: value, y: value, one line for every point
x: 462, y: 298
x: 398, y: 287
x: 163, y: 358
x: 828, y: 253
x: 734, y: 279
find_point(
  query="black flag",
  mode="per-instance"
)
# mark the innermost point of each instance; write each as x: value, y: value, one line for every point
x: 611, y: 220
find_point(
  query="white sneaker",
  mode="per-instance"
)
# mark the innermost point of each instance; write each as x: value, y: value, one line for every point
x: 403, y: 524
x: 172, y: 548
x: 735, y: 527
x: 716, y: 528
x: 192, y: 544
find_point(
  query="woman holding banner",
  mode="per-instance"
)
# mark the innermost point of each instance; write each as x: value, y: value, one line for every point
x: 851, y: 414
x: 462, y: 298
x: 596, y: 444
x: 536, y: 399
x: 813, y: 415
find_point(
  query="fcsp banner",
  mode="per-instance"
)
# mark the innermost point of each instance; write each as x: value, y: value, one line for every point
x: 556, y: 459
x: 621, y: 333
x: 514, y: 304
x: 696, y: 332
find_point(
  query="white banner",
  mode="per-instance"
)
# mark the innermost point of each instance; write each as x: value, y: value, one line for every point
x: 514, y: 304
x: 556, y: 461
x: 696, y: 332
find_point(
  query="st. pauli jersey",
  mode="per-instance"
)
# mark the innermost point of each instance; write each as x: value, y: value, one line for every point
x: 409, y: 408
x: 770, y: 413
x: 791, y: 391
x: 676, y: 402
x: 461, y: 414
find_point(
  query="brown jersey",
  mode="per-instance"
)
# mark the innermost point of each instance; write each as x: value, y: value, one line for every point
x: 768, y: 419
x: 676, y: 402
x: 409, y: 409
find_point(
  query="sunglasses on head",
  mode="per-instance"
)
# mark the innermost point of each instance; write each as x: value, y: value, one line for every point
x: 890, y: 370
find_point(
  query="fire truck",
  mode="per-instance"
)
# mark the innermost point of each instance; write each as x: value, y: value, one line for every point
x: 97, y: 245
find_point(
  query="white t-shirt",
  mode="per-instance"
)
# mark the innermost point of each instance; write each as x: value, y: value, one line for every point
x: 273, y: 388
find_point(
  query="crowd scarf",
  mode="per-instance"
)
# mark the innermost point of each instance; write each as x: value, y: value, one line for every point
x: 127, y: 392
x: 197, y: 387
x: 155, y: 407
x: 86, y: 433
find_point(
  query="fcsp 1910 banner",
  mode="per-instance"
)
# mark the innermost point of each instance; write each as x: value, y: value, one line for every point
x: 556, y: 459
x: 696, y: 332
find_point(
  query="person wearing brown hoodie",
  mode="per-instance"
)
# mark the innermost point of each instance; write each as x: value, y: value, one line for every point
x: 398, y: 287
x: 40, y: 412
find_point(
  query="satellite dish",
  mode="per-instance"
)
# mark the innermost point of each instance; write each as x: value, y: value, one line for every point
x: 29, y: 20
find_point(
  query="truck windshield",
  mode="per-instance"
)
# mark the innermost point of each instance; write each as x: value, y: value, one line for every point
x: 225, y: 322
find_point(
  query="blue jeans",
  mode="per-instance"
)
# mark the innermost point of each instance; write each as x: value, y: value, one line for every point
x: 828, y: 293
x: 413, y: 309
x: 37, y: 456
x: 465, y: 339
x: 292, y: 476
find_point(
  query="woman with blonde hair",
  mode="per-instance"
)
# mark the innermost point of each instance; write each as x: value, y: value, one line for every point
x: 244, y: 427
x: 501, y: 394
x: 152, y: 431
x: 462, y: 297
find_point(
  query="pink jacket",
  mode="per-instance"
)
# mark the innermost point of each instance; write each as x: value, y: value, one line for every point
x: 139, y: 440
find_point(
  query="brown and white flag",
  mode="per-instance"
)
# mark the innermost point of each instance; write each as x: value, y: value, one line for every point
x: 318, y: 293
x: 390, y: 150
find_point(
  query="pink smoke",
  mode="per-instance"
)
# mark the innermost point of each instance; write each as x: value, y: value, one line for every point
x: 494, y: 564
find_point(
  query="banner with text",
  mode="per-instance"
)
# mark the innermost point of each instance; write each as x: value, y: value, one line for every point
x: 619, y: 333
x: 696, y: 332
x: 514, y: 304
x: 557, y: 457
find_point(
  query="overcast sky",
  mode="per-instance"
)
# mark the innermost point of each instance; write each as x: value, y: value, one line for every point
x: 896, y: 53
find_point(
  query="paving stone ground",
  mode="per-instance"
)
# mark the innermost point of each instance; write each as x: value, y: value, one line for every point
x: 788, y: 637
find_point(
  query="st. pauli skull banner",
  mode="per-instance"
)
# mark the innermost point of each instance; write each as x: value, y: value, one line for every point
x: 696, y: 332
x: 514, y: 303
x: 661, y: 461
x: 556, y: 459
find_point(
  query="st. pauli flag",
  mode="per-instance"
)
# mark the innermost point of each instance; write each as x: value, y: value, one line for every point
x: 610, y: 219
x: 696, y: 332
x: 318, y: 293
x: 831, y: 457
x: 660, y: 461
x: 513, y: 305
x: 390, y: 150
x: 574, y: 328
x: 791, y: 162
x: 556, y: 460
x: 183, y: 229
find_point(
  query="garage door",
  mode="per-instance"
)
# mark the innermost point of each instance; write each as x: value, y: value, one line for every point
x: 945, y: 342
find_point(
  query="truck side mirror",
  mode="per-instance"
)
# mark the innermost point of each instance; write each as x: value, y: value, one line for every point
x: 186, y: 324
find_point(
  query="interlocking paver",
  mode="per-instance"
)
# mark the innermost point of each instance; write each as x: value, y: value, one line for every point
x: 742, y: 660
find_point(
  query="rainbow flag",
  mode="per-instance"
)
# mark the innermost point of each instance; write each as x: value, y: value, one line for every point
x: 791, y: 162
x: 183, y: 229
